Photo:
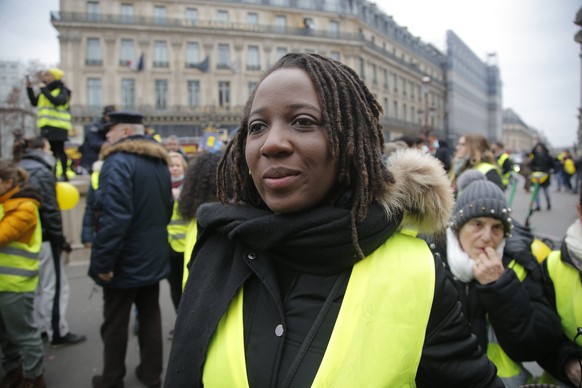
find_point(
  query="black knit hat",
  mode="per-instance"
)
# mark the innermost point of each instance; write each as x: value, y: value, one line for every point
x: 481, y: 198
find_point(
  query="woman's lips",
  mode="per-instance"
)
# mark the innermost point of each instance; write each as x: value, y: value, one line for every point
x: 280, y: 182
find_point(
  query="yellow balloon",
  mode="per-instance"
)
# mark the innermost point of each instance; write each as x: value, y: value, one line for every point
x: 67, y: 195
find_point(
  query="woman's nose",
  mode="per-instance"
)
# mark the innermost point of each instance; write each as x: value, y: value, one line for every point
x: 277, y: 140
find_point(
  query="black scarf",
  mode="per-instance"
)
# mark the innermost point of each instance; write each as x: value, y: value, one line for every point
x: 317, y: 241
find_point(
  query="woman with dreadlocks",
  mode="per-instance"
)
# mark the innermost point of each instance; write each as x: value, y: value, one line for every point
x: 302, y: 276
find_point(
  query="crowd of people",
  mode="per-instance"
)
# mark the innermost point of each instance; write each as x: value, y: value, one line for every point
x: 308, y: 252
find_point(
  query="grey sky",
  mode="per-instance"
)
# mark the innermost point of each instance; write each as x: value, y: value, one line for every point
x: 534, y: 41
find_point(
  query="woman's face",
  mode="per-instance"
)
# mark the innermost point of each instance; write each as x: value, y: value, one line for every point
x: 480, y: 233
x: 461, y: 149
x: 286, y: 146
x: 176, y: 166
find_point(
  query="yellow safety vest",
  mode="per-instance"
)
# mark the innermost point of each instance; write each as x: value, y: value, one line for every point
x: 190, y: 241
x: 485, y: 167
x: 177, y: 230
x: 378, y: 337
x: 50, y: 115
x: 568, y: 289
x: 504, y: 177
x: 19, y: 262
x: 512, y: 373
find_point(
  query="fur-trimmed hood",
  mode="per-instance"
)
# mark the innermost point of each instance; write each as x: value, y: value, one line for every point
x: 138, y: 145
x: 422, y: 191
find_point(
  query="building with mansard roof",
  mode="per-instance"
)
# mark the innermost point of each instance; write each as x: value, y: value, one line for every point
x: 188, y: 64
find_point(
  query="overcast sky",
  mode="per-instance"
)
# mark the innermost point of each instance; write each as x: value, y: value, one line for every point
x: 534, y: 41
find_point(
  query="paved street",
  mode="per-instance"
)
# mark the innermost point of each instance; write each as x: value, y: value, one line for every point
x: 72, y: 367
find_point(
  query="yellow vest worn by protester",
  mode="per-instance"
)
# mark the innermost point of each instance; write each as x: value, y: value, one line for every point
x: 568, y: 289
x: 50, y: 115
x: 500, y: 161
x: 485, y: 167
x: 512, y: 373
x: 190, y: 241
x: 177, y: 230
x: 379, y: 334
x: 19, y: 262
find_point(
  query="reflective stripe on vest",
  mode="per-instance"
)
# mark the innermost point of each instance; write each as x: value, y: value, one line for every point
x: 377, y: 326
x: 190, y: 241
x: 50, y: 115
x: 568, y: 289
x: 512, y: 373
x: 19, y: 262
x: 177, y: 229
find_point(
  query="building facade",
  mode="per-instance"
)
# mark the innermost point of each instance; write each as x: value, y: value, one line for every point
x: 474, y: 96
x: 517, y: 135
x: 187, y: 64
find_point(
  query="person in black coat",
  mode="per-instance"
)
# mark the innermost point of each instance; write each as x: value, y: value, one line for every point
x: 498, y: 280
x: 52, y: 295
x: 542, y: 161
x: 129, y: 257
x: 94, y: 139
x: 54, y: 117
x: 301, y: 276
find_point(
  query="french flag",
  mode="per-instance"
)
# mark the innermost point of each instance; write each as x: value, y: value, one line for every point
x: 137, y: 65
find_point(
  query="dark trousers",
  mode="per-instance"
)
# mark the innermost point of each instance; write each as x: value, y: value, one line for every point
x: 176, y: 276
x: 115, y: 328
x: 58, y: 149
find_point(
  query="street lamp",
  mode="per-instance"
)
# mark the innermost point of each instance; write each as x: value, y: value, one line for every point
x: 425, y: 89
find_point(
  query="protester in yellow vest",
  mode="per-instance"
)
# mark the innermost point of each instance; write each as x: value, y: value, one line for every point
x: 473, y: 152
x: 20, y: 240
x: 199, y: 188
x: 300, y: 276
x: 53, y: 114
x: 504, y: 162
x: 563, y: 269
x: 498, y: 282
x: 176, y: 229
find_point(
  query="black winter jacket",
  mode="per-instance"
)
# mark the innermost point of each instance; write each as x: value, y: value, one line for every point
x: 525, y: 325
x: 64, y: 96
x: 133, y: 207
x: 42, y: 178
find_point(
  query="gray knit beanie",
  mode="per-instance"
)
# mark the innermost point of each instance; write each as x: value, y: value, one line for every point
x: 481, y: 198
x: 468, y: 177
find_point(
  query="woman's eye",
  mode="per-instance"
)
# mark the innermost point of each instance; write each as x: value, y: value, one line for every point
x: 256, y: 127
x: 304, y: 122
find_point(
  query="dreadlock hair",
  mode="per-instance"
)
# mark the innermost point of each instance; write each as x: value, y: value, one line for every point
x: 351, y: 118
x: 199, y: 184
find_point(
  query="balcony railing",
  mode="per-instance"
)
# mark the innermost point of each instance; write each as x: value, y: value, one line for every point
x: 86, y: 18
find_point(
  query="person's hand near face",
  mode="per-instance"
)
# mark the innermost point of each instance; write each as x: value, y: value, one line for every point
x: 480, y: 238
x: 287, y: 145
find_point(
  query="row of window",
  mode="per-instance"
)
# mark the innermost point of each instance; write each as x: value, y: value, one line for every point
x: 128, y: 93
x: 128, y: 98
x: 128, y: 54
x: 128, y: 57
x: 191, y: 16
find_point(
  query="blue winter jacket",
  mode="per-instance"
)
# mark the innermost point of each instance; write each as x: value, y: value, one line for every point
x: 133, y: 206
